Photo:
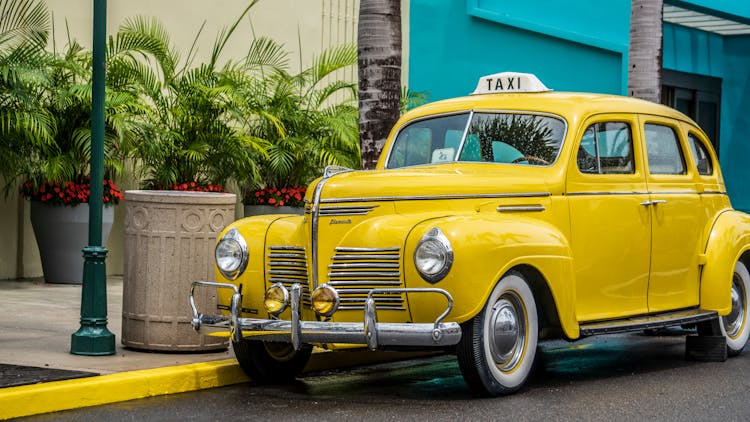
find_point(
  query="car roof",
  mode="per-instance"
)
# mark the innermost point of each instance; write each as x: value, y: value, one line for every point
x: 561, y: 103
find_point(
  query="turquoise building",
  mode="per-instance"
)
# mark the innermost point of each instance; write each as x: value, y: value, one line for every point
x: 582, y: 45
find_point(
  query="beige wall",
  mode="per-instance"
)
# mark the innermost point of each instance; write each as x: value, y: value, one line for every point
x: 303, y: 26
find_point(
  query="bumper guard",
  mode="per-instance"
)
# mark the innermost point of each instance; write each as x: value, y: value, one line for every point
x: 297, y: 332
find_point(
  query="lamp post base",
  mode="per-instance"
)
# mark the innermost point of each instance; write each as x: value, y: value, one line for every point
x: 93, y: 338
x: 92, y: 341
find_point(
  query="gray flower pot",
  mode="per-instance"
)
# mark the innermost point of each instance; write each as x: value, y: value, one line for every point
x: 61, y: 233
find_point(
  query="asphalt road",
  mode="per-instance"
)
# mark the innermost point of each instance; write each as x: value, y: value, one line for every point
x: 611, y: 378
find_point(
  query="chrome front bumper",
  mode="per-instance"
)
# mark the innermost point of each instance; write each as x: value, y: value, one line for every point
x: 372, y: 333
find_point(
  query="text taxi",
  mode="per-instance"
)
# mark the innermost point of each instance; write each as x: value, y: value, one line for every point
x: 491, y: 222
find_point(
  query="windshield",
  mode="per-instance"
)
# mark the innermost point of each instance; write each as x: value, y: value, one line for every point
x: 513, y: 138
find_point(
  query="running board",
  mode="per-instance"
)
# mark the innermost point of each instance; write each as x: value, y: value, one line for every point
x: 646, y: 322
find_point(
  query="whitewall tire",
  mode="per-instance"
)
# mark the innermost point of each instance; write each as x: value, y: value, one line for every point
x: 497, y: 348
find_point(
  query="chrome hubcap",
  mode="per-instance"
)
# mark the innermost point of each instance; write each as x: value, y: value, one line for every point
x: 733, y: 322
x: 508, y: 331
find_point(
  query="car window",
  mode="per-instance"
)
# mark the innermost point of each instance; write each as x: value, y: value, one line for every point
x: 606, y: 148
x: 491, y: 137
x: 513, y: 138
x: 428, y: 141
x: 663, y: 150
x: 701, y: 155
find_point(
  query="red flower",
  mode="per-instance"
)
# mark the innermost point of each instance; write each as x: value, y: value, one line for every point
x: 69, y: 192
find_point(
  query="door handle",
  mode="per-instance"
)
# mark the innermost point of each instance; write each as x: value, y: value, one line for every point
x: 653, y: 202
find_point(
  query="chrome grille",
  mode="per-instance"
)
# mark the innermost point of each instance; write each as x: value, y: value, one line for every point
x: 288, y: 265
x: 354, y: 271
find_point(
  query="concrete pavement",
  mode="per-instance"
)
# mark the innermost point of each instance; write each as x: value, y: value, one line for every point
x: 37, y: 320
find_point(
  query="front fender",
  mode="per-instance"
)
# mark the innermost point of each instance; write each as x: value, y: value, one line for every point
x: 728, y: 240
x: 485, y: 248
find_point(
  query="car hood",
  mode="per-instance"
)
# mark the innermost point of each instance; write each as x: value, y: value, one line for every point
x: 444, y: 180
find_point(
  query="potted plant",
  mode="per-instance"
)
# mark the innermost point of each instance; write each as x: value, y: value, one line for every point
x: 193, y: 142
x: 309, y: 121
x: 51, y: 138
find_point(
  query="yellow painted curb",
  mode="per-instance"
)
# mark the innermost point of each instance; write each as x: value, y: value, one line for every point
x: 71, y: 394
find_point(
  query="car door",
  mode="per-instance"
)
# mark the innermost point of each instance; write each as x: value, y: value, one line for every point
x: 677, y: 216
x: 610, y: 230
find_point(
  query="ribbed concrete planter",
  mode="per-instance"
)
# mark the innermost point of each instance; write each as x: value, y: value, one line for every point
x: 251, y: 210
x: 169, y: 243
x: 61, y: 233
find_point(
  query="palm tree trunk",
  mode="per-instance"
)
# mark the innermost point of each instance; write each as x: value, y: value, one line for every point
x: 645, y: 53
x: 379, y: 62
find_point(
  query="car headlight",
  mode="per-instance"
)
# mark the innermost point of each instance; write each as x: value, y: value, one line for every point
x: 231, y: 254
x: 433, y: 256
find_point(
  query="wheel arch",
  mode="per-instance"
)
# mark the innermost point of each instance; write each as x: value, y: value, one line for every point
x: 728, y: 242
x: 547, y: 312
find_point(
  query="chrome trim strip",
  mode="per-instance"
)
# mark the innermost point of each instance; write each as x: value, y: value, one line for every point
x: 661, y: 320
x: 276, y: 255
x: 364, y: 282
x: 713, y: 192
x: 354, y: 250
x: 287, y: 264
x: 605, y: 193
x: 692, y: 192
x: 365, y: 257
x: 358, y: 274
x: 287, y: 272
x: 364, y: 265
x: 287, y: 248
x: 345, y: 211
x: 438, y: 197
x: 329, y: 172
x: 521, y: 208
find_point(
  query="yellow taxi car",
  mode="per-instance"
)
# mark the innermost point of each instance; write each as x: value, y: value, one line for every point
x: 494, y: 221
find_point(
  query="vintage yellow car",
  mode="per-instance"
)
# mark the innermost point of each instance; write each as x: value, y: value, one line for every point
x: 494, y: 221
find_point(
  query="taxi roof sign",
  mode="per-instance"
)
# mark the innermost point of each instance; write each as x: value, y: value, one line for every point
x: 509, y: 82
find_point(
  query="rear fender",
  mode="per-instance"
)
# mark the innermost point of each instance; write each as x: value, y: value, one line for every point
x: 728, y: 240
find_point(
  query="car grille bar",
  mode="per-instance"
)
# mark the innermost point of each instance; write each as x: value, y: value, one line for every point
x: 356, y: 271
x: 288, y: 265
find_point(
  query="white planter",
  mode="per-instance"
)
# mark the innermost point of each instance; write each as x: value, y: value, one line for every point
x: 169, y: 243
x: 61, y: 233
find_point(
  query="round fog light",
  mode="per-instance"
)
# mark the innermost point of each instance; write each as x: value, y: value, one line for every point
x: 325, y: 300
x: 276, y: 299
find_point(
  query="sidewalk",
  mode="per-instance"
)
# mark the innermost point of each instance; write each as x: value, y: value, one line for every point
x: 37, y: 320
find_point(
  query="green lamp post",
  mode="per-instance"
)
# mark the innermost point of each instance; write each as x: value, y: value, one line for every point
x: 93, y: 338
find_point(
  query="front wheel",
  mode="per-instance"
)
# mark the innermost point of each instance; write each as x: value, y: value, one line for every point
x: 497, y: 347
x: 270, y: 362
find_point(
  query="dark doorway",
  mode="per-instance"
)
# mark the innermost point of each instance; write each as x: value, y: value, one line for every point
x: 698, y: 96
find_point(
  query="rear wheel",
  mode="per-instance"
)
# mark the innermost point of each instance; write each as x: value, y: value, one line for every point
x: 271, y: 362
x: 735, y: 325
x: 497, y: 347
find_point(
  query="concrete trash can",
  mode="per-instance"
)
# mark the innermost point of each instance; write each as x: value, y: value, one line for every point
x: 169, y: 243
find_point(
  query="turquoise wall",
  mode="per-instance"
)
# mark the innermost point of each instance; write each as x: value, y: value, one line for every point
x: 735, y: 121
x: 454, y: 42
